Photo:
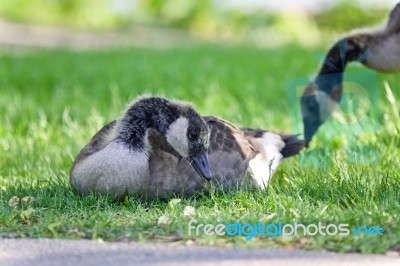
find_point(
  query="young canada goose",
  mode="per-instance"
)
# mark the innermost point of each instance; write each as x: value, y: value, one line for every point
x: 377, y: 49
x: 118, y: 159
x: 143, y: 151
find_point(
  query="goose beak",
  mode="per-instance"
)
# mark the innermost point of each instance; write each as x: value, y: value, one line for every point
x: 200, y: 164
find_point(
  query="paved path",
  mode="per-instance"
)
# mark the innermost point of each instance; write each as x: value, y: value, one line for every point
x: 43, y: 252
x: 28, y: 35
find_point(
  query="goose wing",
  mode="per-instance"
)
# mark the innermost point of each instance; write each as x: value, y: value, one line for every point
x: 97, y: 143
x: 226, y: 137
x: 229, y: 154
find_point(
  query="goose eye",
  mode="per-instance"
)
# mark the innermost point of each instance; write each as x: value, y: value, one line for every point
x: 193, y: 136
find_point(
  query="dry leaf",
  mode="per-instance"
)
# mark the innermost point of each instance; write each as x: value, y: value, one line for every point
x: 172, y: 203
x: 189, y: 210
x: 14, y: 201
x: 270, y: 216
x: 27, y: 199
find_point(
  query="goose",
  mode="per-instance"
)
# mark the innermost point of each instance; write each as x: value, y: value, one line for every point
x: 377, y: 49
x: 117, y: 160
x: 163, y: 147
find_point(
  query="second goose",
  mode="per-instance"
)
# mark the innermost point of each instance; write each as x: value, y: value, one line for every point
x: 377, y: 49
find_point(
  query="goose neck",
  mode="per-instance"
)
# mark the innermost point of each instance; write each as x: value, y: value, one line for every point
x: 155, y: 113
x: 344, y: 51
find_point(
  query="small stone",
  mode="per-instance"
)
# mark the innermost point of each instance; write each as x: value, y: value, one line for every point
x: 163, y: 220
x: 189, y: 210
x: 190, y: 243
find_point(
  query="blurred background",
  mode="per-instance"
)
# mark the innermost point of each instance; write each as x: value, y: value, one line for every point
x: 159, y: 22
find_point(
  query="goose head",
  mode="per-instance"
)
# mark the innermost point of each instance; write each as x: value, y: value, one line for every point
x: 189, y: 136
x: 323, y: 94
x: 183, y: 128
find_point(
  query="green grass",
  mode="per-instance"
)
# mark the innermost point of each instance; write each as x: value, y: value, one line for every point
x: 52, y: 102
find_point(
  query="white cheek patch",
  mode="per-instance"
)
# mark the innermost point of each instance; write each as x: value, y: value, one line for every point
x: 176, y: 136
